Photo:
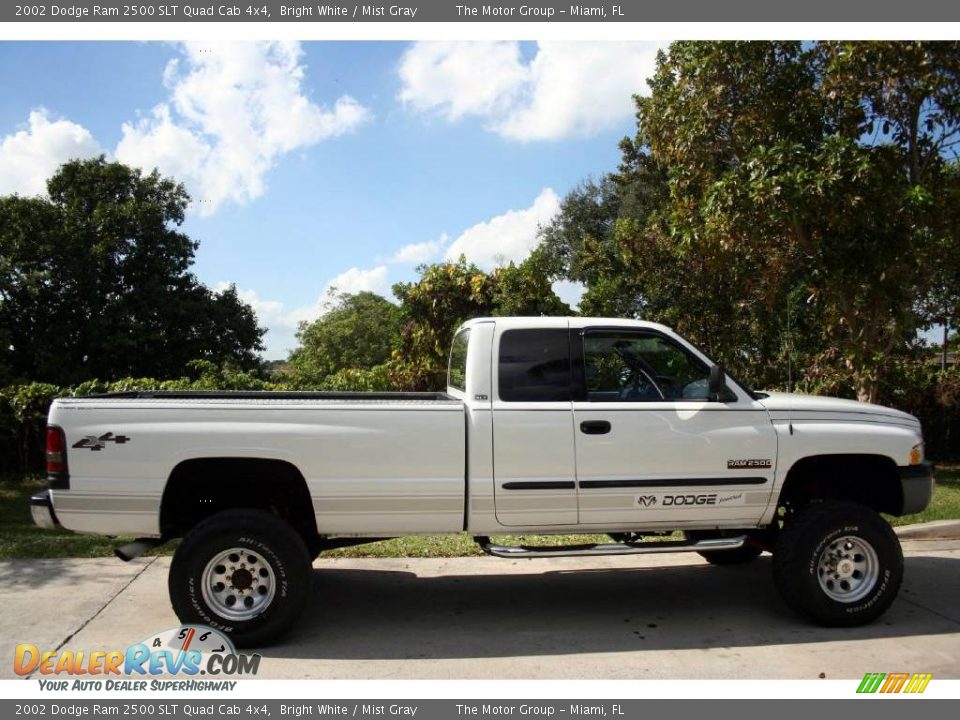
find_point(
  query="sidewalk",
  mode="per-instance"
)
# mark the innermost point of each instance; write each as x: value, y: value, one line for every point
x: 656, y: 616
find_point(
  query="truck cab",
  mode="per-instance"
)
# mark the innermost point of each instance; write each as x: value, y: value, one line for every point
x: 609, y: 426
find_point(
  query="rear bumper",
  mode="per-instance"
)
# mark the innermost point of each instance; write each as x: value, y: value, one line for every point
x: 41, y: 508
x: 917, y: 483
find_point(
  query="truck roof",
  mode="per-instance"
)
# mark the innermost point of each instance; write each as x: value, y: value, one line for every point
x: 571, y: 321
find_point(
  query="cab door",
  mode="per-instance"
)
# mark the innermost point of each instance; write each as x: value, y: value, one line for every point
x: 533, y: 449
x: 651, y: 446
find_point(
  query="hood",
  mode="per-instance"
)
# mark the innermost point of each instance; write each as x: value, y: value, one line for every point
x: 795, y: 406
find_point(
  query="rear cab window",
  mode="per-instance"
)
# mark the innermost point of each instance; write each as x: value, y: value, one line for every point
x: 457, y: 369
x: 534, y: 366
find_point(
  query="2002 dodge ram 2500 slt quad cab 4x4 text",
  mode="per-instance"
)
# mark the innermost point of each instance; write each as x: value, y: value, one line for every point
x: 548, y: 425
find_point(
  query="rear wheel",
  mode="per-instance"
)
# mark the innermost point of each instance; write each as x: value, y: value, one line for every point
x: 245, y: 573
x: 838, y: 563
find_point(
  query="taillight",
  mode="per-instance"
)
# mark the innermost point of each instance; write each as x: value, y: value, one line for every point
x: 57, y: 475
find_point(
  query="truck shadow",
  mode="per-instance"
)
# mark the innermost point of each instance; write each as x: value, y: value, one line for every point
x: 376, y: 614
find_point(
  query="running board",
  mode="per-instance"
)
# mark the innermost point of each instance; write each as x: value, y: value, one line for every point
x: 530, y: 551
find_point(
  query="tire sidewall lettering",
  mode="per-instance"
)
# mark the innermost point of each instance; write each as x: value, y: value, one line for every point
x: 878, y: 590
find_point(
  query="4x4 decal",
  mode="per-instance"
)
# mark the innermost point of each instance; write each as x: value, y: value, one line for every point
x: 92, y: 442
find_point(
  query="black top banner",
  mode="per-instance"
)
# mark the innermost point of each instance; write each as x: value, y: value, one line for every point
x: 466, y: 11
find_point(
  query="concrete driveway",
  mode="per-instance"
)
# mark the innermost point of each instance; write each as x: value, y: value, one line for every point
x: 655, y: 616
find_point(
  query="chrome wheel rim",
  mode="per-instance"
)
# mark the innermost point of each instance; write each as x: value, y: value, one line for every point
x: 848, y: 569
x: 238, y: 584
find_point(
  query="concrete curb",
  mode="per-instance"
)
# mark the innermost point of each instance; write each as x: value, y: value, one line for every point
x: 936, y: 530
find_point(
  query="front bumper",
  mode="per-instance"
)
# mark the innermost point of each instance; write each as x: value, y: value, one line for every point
x: 917, y: 484
x: 41, y: 508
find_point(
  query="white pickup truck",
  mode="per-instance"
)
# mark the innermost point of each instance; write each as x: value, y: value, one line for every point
x: 548, y: 425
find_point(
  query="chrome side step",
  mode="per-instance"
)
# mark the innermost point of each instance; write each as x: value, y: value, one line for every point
x: 531, y: 551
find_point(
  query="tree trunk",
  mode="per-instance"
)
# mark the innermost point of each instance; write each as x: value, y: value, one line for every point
x: 867, y: 390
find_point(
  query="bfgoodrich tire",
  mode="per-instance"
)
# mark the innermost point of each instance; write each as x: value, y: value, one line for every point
x: 838, y: 564
x: 245, y: 573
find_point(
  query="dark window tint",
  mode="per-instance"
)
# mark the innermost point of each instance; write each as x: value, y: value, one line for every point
x: 534, y: 365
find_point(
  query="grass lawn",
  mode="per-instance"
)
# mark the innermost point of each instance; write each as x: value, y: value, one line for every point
x: 20, y: 538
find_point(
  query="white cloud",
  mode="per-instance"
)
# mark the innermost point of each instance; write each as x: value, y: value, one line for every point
x: 458, y: 79
x: 234, y: 108
x: 30, y: 156
x: 357, y: 280
x: 567, y: 88
x: 507, y: 237
x: 282, y: 324
x: 265, y: 309
x: 421, y: 252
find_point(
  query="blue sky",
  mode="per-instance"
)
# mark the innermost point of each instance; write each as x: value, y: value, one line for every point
x: 330, y: 163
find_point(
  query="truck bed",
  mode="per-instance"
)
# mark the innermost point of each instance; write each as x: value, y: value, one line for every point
x: 384, y: 463
x: 275, y: 395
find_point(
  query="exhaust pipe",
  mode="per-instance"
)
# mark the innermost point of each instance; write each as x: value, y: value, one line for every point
x: 136, y: 548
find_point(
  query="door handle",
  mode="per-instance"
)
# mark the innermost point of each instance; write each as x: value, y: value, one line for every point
x: 595, y: 427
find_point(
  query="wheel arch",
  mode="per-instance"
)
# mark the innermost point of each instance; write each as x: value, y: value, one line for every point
x: 198, y: 488
x: 870, y: 479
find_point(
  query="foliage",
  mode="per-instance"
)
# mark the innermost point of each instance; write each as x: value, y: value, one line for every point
x: 582, y: 244
x: 805, y: 184
x: 431, y: 309
x: 375, y: 379
x: 95, y: 282
x: 356, y: 333
x: 448, y: 294
x: 23, y: 414
x: 526, y: 289
x: 23, y: 408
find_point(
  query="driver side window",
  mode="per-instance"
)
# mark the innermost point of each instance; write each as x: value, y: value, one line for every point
x: 623, y: 366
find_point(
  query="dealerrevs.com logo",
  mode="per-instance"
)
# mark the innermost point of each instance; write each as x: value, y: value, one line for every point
x: 188, y: 651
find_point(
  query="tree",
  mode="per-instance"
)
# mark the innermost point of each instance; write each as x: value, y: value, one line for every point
x: 581, y: 242
x: 356, y: 333
x: 527, y: 289
x: 446, y: 295
x: 780, y: 188
x: 95, y: 282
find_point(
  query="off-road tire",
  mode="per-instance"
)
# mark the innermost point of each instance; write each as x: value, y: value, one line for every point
x: 271, y: 539
x: 806, y: 540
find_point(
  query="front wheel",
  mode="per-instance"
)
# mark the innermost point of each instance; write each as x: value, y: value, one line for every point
x: 838, y: 563
x: 245, y: 573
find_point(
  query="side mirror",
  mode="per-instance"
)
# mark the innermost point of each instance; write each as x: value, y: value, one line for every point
x: 717, y: 386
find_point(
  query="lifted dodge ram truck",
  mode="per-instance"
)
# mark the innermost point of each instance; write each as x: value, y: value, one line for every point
x: 548, y: 425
